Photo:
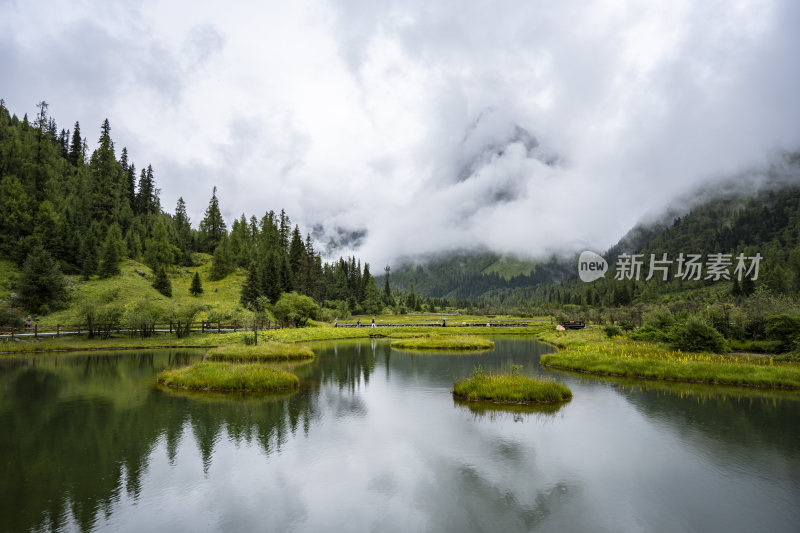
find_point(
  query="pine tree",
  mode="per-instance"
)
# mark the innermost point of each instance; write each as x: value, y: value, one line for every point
x: 105, y: 178
x: 251, y: 288
x: 161, y: 281
x: 411, y: 299
x: 212, y: 227
x: 112, y: 253
x: 15, y: 218
x: 158, y: 250
x: 270, y: 278
x: 197, y: 287
x: 183, y: 229
x: 41, y: 286
x: 222, y: 263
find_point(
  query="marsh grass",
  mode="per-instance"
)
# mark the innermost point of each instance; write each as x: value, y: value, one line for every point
x: 511, y: 388
x: 208, y: 340
x: 229, y: 377
x: 444, y: 343
x: 589, y: 352
x: 266, y: 351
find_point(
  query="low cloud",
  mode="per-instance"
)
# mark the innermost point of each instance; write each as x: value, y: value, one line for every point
x: 393, y: 129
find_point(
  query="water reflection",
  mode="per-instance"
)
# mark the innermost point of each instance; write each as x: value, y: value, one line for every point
x: 91, y: 442
x: 516, y: 412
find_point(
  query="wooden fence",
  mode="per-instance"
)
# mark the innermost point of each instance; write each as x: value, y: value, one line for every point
x: 166, y: 327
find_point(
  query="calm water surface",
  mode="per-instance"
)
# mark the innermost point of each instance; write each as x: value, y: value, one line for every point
x: 373, y: 441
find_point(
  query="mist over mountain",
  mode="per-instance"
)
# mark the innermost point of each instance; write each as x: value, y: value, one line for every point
x: 757, y: 215
x: 404, y: 128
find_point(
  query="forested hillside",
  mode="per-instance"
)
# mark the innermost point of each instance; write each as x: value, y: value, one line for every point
x: 66, y: 210
x: 765, y: 221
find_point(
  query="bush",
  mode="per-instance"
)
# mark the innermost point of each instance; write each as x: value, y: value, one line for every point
x: 143, y: 316
x: 660, y: 319
x: 783, y: 328
x: 101, y: 317
x: 295, y: 309
x: 612, y: 331
x: 181, y: 318
x: 697, y: 335
x: 10, y: 317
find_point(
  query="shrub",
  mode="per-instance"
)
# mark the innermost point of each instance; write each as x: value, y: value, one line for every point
x: 659, y: 319
x: 101, y: 318
x: 697, y: 335
x: 295, y: 309
x: 10, y: 317
x: 783, y: 328
x: 181, y: 318
x: 142, y: 317
x: 611, y: 331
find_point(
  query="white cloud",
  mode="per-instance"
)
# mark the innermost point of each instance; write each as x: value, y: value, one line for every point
x: 407, y: 119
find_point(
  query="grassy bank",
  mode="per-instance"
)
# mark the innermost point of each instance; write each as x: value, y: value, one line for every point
x: 591, y: 351
x: 444, y: 343
x: 509, y: 388
x: 266, y: 351
x: 207, y: 340
x: 229, y: 377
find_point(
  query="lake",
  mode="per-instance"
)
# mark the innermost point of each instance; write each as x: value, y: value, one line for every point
x: 373, y: 441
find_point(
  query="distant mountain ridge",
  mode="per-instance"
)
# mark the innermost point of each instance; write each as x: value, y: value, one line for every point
x: 763, y: 219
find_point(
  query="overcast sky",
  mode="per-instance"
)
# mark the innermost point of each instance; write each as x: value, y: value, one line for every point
x: 522, y: 126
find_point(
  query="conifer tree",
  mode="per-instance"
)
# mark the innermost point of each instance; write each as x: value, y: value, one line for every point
x: 251, y: 288
x: 161, y: 281
x: 158, y: 250
x: 212, y: 227
x: 183, y: 230
x: 105, y: 178
x: 222, y: 263
x: 15, y: 218
x: 296, y: 253
x: 75, y: 155
x: 41, y: 286
x: 197, y: 287
x: 387, y: 291
x: 270, y: 278
x: 112, y: 253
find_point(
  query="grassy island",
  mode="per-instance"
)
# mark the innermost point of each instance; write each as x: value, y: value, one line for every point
x: 592, y: 352
x: 266, y: 351
x: 438, y: 342
x: 229, y: 377
x: 509, y: 388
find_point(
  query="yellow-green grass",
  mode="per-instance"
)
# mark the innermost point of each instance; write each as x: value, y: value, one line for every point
x: 266, y: 351
x: 510, y: 388
x: 229, y: 377
x: 588, y: 351
x: 444, y: 343
x: 208, y: 340
x: 219, y: 298
x: 436, y: 318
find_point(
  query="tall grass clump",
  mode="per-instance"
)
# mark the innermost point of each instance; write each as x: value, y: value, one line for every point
x: 438, y: 342
x: 266, y: 351
x: 229, y: 377
x: 509, y: 388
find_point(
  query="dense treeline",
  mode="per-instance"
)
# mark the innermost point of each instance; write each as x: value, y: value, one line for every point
x: 64, y: 209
